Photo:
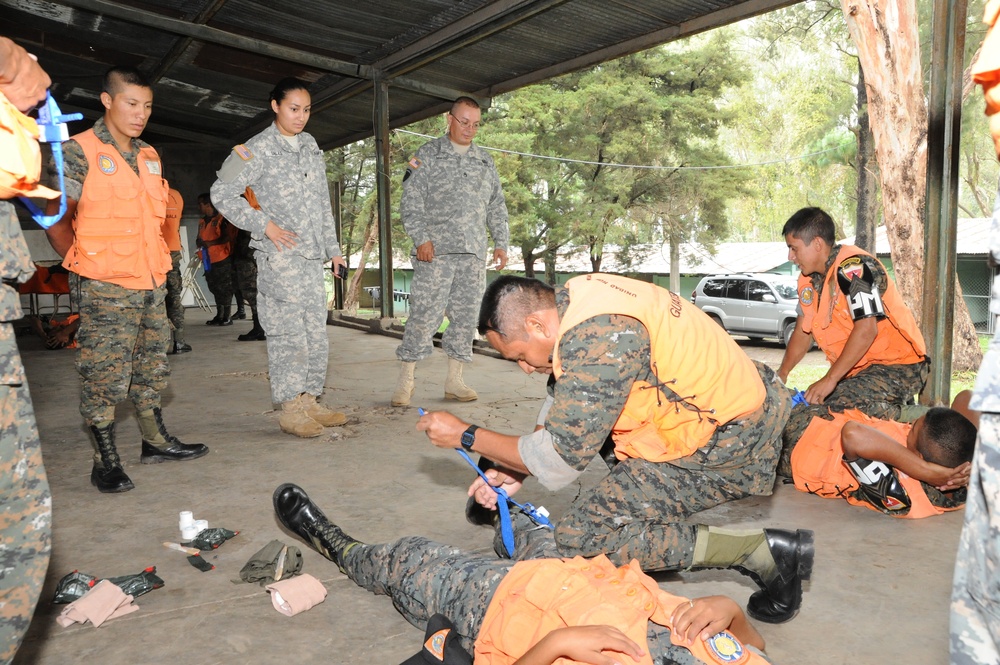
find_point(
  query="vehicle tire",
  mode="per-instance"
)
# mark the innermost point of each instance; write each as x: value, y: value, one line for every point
x: 786, y: 333
x: 717, y: 320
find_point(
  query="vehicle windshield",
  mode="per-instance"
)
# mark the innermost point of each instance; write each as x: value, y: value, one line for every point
x: 786, y: 291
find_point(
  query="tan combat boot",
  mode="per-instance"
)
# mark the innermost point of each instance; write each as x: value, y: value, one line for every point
x: 454, y: 386
x: 294, y: 420
x: 325, y: 416
x: 404, y: 385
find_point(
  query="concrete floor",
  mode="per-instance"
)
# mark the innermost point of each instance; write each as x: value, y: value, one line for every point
x: 879, y: 593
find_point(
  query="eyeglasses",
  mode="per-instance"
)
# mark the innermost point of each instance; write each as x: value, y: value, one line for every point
x: 465, y: 123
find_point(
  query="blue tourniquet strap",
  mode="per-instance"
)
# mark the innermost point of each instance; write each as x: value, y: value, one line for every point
x: 52, y: 129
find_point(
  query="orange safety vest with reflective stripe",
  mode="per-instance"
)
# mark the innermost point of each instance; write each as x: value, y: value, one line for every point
x: 818, y: 466
x: 541, y: 595
x: 899, y: 341
x: 691, y: 356
x: 20, y: 157
x: 118, y: 236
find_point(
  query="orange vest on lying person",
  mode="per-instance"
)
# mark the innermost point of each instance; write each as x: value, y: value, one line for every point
x: 828, y: 318
x: 541, y: 595
x: 693, y: 358
x: 818, y: 465
x: 119, y: 218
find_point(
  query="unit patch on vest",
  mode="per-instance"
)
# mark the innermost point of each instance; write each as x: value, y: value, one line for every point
x: 806, y: 295
x: 725, y: 648
x: 435, y: 643
x: 858, y: 284
x: 153, y: 166
x: 106, y: 163
x: 243, y: 152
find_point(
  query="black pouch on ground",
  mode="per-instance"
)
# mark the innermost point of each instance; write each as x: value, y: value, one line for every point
x: 76, y: 584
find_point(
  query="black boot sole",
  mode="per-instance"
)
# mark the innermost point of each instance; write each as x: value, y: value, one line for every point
x: 160, y: 456
x: 118, y: 489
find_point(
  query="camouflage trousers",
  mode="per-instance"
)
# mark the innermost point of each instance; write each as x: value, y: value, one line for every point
x: 220, y: 282
x: 424, y: 578
x: 975, y: 600
x: 122, y: 348
x: 246, y: 279
x: 879, y: 391
x: 175, y: 292
x: 640, y: 509
x: 292, y: 310
x: 451, y: 285
x: 25, y: 506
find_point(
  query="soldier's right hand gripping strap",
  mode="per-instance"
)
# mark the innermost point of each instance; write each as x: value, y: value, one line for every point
x: 879, y: 485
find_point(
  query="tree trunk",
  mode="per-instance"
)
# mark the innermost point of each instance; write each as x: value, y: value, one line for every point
x: 529, y: 263
x: 550, y: 265
x: 867, y: 206
x: 371, y: 235
x: 675, y: 264
x: 885, y: 33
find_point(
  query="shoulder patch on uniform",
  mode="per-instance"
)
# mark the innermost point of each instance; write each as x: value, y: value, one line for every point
x: 852, y: 267
x: 806, y: 295
x: 725, y: 648
x: 415, y: 163
x: 106, y: 163
x: 243, y: 151
x: 435, y: 643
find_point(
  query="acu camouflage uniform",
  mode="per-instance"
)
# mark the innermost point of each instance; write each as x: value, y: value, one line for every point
x: 25, y: 501
x: 878, y: 390
x: 123, y: 332
x: 975, y: 601
x: 640, y: 509
x: 292, y: 190
x: 424, y: 578
x: 447, y: 199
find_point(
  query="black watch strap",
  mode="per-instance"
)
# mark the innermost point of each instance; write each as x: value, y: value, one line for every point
x: 469, y: 437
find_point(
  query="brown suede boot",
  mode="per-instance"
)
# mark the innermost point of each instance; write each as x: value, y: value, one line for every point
x: 295, y: 420
x: 325, y: 416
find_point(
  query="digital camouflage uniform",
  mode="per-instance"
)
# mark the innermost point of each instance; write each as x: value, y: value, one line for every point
x: 25, y: 501
x: 220, y: 277
x: 640, y: 509
x: 424, y: 578
x: 123, y: 333
x: 292, y: 190
x: 450, y: 200
x: 174, y: 297
x: 975, y: 601
x: 877, y: 390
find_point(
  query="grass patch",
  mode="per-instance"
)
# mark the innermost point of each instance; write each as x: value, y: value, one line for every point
x: 804, y: 376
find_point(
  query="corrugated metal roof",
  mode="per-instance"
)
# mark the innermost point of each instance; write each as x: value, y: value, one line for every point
x: 214, y: 61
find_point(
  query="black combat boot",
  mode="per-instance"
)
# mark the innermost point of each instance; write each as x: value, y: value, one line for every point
x: 777, y: 560
x: 297, y: 512
x: 241, y: 312
x: 217, y: 321
x: 227, y: 320
x: 108, y: 475
x: 160, y: 446
x: 255, y: 334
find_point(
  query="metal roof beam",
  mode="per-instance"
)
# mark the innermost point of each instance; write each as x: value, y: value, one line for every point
x: 177, y: 50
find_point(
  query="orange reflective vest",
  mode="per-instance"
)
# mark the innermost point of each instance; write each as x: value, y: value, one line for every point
x: 818, y: 466
x: 118, y: 237
x: 20, y: 157
x: 172, y: 222
x: 213, y: 229
x: 828, y: 318
x: 541, y: 595
x: 692, y: 356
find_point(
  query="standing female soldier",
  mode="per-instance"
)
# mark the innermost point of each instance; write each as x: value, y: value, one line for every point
x: 294, y: 235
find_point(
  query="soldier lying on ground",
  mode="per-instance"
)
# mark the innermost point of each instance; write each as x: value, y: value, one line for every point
x: 534, y: 612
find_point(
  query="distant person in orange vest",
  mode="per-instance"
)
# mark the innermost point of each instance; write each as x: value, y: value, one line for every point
x: 175, y: 285
x: 900, y: 469
x: 215, y: 236
x: 111, y: 236
x: 542, y: 611
x: 850, y: 306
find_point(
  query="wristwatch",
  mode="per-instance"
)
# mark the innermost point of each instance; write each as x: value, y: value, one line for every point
x: 469, y: 437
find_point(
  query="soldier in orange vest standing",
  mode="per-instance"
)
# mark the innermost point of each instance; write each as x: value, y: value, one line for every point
x: 850, y: 306
x: 111, y: 237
